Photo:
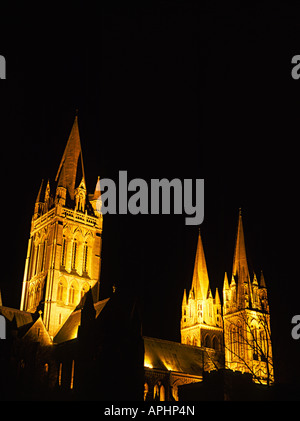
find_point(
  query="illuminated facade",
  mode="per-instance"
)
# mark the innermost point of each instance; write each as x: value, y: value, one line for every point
x: 246, y: 314
x: 201, y: 322
x: 245, y: 324
x: 63, y: 258
x: 64, y: 343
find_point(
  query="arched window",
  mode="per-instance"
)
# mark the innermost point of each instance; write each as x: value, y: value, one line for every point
x: 159, y: 392
x: 61, y: 291
x: 72, y: 375
x: 207, y: 341
x: 31, y: 297
x: 254, y: 339
x: 263, y: 341
x: 38, y: 294
x: 74, y: 254
x: 156, y: 392
x: 83, y: 291
x: 162, y: 394
x: 195, y: 341
x: 64, y: 252
x: 72, y: 295
x: 215, y: 343
x: 233, y: 342
x: 146, y: 390
x: 240, y: 348
x: 35, y: 259
x: 85, y: 258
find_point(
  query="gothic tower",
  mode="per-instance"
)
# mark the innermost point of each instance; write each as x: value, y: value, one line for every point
x: 63, y: 258
x: 246, y: 316
x: 201, y: 321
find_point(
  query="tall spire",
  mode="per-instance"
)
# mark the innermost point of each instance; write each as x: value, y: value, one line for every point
x: 200, y: 282
x: 240, y: 259
x: 66, y: 174
x: 240, y: 271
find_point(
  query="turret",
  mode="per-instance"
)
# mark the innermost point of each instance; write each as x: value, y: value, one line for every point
x: 39, y: 204
x: 226, y: 294
x: 95, y: 199
x: 263, y: 295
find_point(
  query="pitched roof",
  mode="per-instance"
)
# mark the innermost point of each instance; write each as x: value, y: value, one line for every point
x: 37, y: 332
x: 67, y: 171
x: 173, y: 356
x: 22, y: 318
x: 69, y: 330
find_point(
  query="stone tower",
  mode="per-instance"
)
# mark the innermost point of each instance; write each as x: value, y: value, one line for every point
x: 246, y: 316
x: 201, y: 321
x: 64, y: 249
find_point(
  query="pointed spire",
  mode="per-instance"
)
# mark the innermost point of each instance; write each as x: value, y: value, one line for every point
x: 200, y: 282
x: 97, y: 192
x: 232, y: 283
x: 66, y: 174
x: 240, y: 258
x: 225, y: 283
x: 254, y: 282
x: 262, y: 283
x: 217, y: 297
x: 184, y: 299
x: 38, y: 198
x: 38, y: 206
x: 95, y: 199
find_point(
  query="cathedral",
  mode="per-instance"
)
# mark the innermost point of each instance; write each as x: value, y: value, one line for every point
x: 63, y: 258
x: 62, y: 342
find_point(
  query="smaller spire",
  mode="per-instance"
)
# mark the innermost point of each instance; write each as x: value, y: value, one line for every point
x: 97, y: 192
x: 38, y: 198
x: 200, y: 282
x: 225, y: 283
x: 254, y: 282
x: 217, y: 297
x: 262, y: 283
x: 184, y: 300
x: 232, y: 281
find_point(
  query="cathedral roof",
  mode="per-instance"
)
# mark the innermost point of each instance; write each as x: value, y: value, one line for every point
x: 173, y: 356
x: 22, y: 318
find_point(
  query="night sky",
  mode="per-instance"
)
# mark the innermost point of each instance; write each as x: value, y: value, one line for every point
x: 164, y: 90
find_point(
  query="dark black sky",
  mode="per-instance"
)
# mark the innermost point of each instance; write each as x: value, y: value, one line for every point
x: 164, y: 89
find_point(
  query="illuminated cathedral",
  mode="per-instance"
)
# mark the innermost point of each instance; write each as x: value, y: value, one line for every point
x: 245, y: 323
x: 62, y: 342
